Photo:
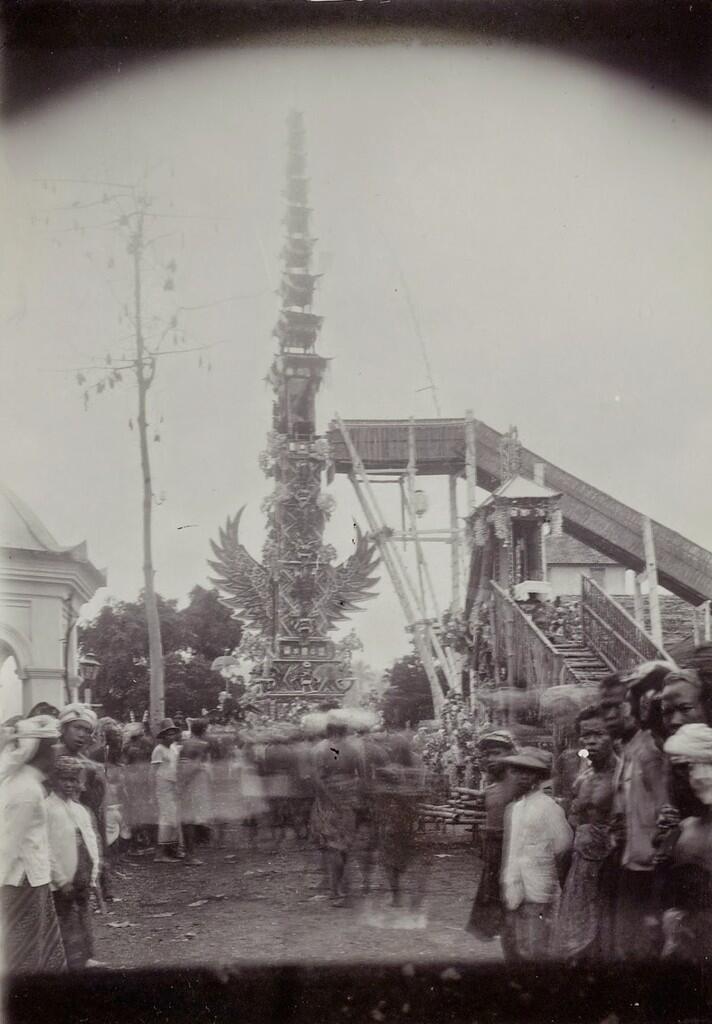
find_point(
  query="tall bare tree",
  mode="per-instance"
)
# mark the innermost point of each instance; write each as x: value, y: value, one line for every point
x: 133, y: 209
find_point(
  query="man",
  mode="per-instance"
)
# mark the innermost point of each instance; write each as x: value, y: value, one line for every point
x: 584, y: 922
x: 486, y: 916
x: 32, y: 939
x: 640, y: 794
x: 165, y: 767
x: 537, y: 838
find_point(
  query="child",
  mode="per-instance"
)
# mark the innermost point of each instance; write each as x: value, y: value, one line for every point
x: 74, y: 861
x: 165, y: 766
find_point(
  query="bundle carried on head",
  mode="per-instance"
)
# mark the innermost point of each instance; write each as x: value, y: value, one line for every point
x: 26, y: 737
x: 314, y: 723
x: 563, y: 703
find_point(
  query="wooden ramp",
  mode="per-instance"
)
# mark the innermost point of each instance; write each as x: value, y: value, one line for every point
x: 590, y: 515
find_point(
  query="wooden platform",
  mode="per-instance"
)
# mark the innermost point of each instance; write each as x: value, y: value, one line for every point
x: 590, y: 515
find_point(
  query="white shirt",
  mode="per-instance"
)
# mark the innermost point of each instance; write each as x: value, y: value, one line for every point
x: 166, y: 761
x: 64, y: 817
x: 536, y: 832
x: 24, y: 847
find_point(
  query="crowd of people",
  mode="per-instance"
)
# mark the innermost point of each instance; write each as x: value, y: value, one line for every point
x: 613, y: 861
x: 79, y: 794
x: 603, y: 853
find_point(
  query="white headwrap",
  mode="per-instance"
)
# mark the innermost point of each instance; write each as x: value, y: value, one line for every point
x: 691, y: 743
x: 77, y: 713
x: 27, y: 735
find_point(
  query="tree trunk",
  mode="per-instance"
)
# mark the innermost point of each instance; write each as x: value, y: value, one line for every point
x: 144, y: 376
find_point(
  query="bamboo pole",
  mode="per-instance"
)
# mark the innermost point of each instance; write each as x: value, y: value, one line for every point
x: 656, y: 625
x: 455, y: 549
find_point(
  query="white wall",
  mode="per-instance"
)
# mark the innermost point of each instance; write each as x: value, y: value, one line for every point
x: 565, y: 580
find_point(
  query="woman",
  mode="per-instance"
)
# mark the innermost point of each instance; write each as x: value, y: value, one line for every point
x: 32, y: 940
x: 74, y: 859
x: 165, y: 767
x: 687, y: 923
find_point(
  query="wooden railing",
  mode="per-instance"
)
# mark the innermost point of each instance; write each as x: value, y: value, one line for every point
x: 612, y: 633
x: 521, y: 650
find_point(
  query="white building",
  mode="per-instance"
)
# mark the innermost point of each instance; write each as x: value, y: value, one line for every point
x: 42, y: 588
x: 568, y: 560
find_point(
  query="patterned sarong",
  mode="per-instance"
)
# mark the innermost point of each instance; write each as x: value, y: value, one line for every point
x: 31, y: 931
x: 74, y: 913
x: 584, y: 924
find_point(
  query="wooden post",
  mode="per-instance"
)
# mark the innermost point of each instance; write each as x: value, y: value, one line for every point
x: 412, y: 463
x: 656, y: 626
x: 455, y: 549
x: 708, y: 621
x: 638, y: 601
x: 695, y: 627
x: 509, y: 641
x: 471, y: 461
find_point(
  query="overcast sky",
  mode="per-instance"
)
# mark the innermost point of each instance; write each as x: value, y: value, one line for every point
x: 549, y: 221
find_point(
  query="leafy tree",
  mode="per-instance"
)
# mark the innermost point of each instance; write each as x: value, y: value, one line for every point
x: 192, y: 637
x: 408, y: 697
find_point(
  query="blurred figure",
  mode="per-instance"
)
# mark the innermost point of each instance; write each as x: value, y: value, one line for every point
x: 338, y: 771
x: 194, y: 789
x: 74, y: 859
x: 687, y: 923
x: 138, y: 783
x: 164, y: 760
x: 31, y: 935
x: 486, y: 920
x: 399, y: 788
x: 537, y: 839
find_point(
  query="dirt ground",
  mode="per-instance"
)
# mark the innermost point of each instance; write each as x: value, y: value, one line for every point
x: 261, y: 905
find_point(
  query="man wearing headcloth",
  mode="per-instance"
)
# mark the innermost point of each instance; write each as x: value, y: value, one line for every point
x: 77, y: 723
x: 32, y: 940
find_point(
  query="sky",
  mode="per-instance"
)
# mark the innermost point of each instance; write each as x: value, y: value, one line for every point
x: 541, y: 226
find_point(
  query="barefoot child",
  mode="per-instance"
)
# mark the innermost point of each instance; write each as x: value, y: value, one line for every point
x: 74, y: 861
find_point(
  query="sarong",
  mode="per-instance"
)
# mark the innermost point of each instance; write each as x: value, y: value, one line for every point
x: 168, y: 820
x: 32, y: 940
x: 333, y: 817
x: 74, y: 913
x: 487, y: 914
x: 529, y: 928
x: 584, y: 924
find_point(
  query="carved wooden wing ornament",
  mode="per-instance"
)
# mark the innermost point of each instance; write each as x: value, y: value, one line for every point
x: 347, y: 585
x: 241, y: 577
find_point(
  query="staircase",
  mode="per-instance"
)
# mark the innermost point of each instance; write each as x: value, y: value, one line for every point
x: 581, y: 661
